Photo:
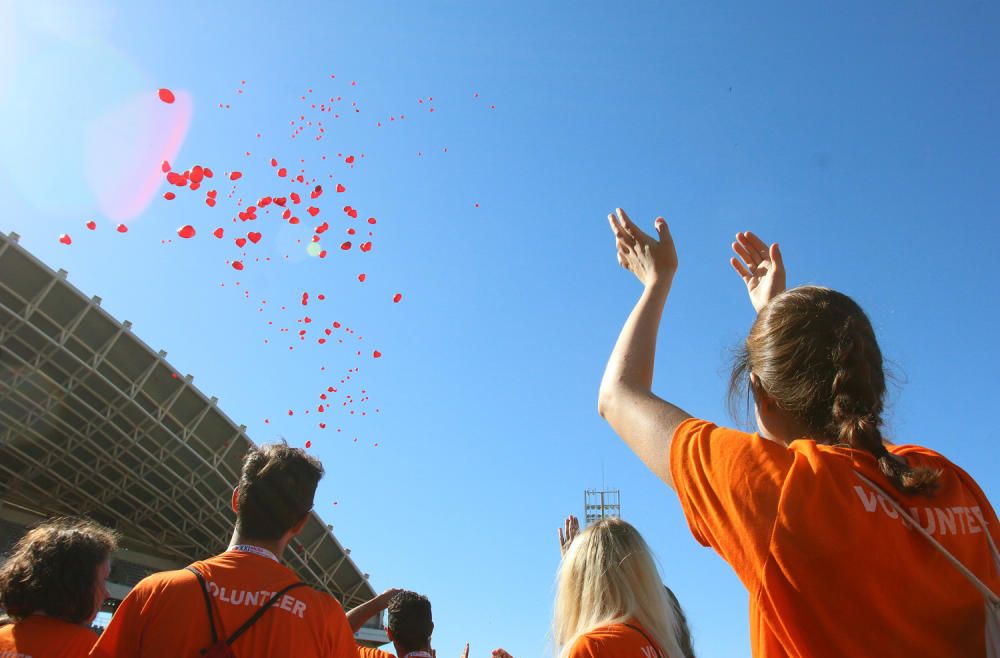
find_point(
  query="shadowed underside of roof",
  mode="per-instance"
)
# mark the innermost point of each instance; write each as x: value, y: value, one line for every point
x: 94, y: 422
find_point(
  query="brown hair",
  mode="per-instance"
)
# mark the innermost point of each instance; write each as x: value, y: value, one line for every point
x: 276, y: 490
x: 53, y: 570
x: 410, y: 620
x: 814, y: 353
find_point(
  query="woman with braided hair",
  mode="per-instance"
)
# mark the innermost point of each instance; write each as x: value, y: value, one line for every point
x: 848, y: 545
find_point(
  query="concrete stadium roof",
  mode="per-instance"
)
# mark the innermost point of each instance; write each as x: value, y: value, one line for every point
x: 94, y: 422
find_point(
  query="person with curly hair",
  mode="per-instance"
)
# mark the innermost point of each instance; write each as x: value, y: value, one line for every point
x: 410, y: 624
x: 52, y: 586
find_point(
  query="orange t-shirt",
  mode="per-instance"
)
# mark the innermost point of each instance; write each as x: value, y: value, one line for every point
x: 614, y: 641
x: 165, y: 615
x: 38, y: 636
x: 366, y: 652
x: 830, y: 568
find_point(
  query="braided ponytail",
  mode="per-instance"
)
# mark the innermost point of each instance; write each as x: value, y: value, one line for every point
x: 858, y: 389
x: 815, y: 354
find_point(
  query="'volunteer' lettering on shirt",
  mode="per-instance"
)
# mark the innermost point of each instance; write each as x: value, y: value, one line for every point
x: 956, y: 520
x: 257, y: 598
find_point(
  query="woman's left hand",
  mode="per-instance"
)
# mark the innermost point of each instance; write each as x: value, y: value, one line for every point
x: 569, y: 531
x: 652, y: 260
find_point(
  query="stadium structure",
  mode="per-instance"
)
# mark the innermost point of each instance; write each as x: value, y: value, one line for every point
x: 600, y: 504
x: 94, y: 422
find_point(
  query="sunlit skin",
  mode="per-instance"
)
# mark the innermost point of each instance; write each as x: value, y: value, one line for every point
x: 625, y: 398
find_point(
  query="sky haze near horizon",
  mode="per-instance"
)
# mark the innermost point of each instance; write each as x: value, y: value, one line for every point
x: 863, y: 137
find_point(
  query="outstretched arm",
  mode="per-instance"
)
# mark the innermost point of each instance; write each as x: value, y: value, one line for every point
x: 626, y: 400
x: 359, y: 615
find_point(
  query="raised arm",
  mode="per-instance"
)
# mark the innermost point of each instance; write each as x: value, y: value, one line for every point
x: 644, y: 421
x: 359, y: 615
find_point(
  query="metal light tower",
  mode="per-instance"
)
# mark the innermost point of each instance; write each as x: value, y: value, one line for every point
x: 599, y: 505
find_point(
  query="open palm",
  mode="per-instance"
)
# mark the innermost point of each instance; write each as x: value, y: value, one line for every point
x: 762, y: 268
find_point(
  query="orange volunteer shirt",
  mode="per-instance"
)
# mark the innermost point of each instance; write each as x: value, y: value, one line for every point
x: 829, y: 566
x: 365, y: 652
x: 39, y: 636
x: 164, y: 615
x: 614, y: 641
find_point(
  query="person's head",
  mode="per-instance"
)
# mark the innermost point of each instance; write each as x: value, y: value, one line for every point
x: 410, y: 622
x: 815, y: 370
x: 608, y: 576
x: 60, y: 569
x: 275, y: 491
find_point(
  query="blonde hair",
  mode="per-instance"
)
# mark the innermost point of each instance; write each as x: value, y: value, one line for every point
x: 608, y: 576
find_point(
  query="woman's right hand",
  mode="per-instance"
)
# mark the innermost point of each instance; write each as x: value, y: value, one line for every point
x: 762, y: 268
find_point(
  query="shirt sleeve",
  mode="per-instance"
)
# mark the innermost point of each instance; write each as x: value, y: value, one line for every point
x: 366, y: 652
x: 340, y: 636
x: 729, y: 484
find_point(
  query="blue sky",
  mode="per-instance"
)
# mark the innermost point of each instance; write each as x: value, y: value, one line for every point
x: 862, y: 136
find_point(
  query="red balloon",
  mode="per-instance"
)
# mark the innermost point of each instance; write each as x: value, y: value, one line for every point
x: 187, y: 231
x: 166, y: 96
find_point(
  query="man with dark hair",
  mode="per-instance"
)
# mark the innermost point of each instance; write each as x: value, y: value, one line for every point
x: 214, y: 600
x: 410, y: 624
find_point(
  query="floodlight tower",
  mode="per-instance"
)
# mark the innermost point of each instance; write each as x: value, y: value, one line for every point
x: 601, y: 504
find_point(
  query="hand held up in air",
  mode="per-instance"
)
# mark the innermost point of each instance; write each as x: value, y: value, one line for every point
x: 569, y: 531
x: 653, y: 259
x: 500, y: 653
x: 762, y: 268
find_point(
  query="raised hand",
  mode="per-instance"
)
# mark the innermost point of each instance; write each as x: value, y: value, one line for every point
x: 500, y: 653
x: 651, y: 259
x: 465, y: 652
x: 761, y: 268
x: 569, y: 531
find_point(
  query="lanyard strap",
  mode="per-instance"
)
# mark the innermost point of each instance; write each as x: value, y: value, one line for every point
x: 971, y: 577
x: 256, y: 550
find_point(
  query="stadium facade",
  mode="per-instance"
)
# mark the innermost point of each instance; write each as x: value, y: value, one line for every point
x: 94, y: 422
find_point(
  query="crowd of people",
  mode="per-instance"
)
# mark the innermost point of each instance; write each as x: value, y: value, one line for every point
x: 847, y: 544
